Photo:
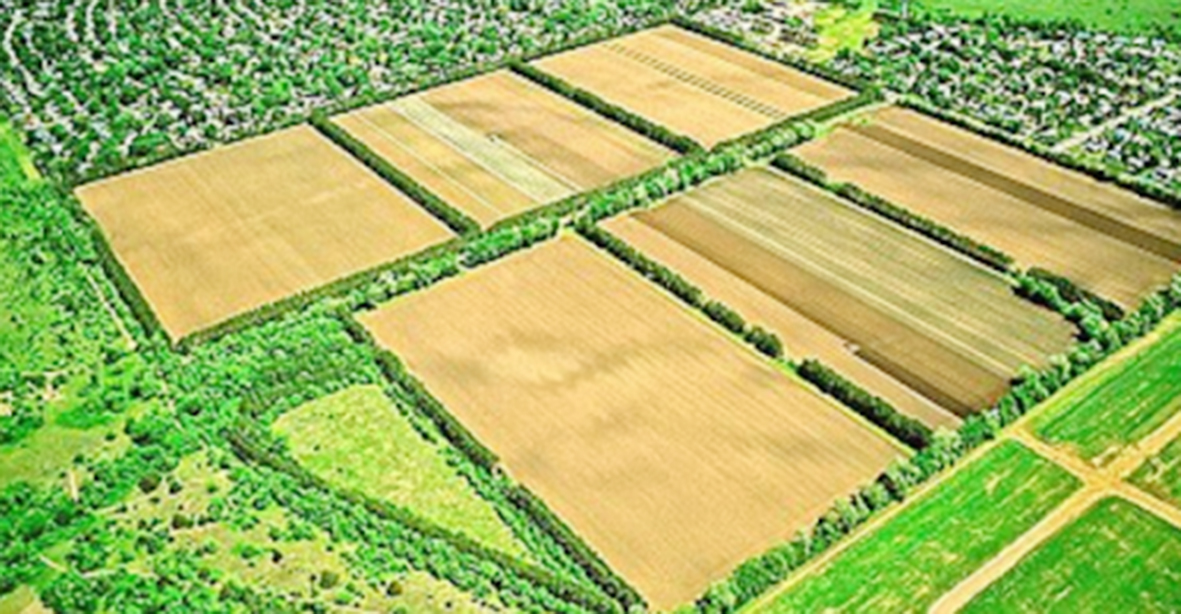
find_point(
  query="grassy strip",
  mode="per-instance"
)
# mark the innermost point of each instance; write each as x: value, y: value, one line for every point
x: 249, y: 443
x: 1115, y: 558
x: 672, y: 140
x: 906, y: 429
x: 984, y: 254
x: 455, y: 219
x: 1161, y: 474
x: 1008, y: 490
x: 1094, y: 170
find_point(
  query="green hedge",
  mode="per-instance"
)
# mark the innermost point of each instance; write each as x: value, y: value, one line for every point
x: 455, y: 219
x: 672, y: 140
x: 906, y: 429
x: 984, y: 254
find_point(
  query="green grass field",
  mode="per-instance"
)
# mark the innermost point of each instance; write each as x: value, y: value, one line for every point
x: 1124, y: 16
x: 357, y: 439
x: 1124, y: 399
x: 937, y: 540
x: 1115, y: 558
x: 1161, y: 474
x: 16, y: 166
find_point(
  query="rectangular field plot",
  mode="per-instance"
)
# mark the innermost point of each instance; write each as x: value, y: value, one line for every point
x: 675, y: 452
x: 693, y: 85
x: 1119, y: 402
x: 1106, y: 239
x: 497, y: 145
x: 357, y: 440
x: 907, y: 309
x: 1161, y: 474
x: 220, y: 233
x: 936, y: 541
x: 1115, y: 558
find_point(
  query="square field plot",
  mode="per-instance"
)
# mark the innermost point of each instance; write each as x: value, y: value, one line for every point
x: 692, y: 84
x: 497, y: 145
x: 882, y: 305
x: 673, y: 451
x: 1108, y: 240
x: 220, y: 233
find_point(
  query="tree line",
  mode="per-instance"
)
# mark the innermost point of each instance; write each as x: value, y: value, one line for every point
x: 906, y: 429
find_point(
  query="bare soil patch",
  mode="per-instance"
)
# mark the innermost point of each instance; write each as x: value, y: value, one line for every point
x: 220, y: 233
x: 674, y: 451
x: 945, y: 327
x: 1108, y: 240
x: 515, y: 130
x: 692, y: 84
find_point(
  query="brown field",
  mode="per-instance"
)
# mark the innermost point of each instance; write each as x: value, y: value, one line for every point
x: 803, y: 338
x: 1106, y: 239
x: 220, y: 233
x: 948, y: 329
x: 692, y: 84
x: 675, y: 452
x: 497, y: 145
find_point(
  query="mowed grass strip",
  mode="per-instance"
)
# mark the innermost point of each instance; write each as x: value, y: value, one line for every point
x: 16, y: 166
x: 692, y: 84
x: 1119, y: 402
x: 675, y: 451
x: 358, y: 440
x: 1161, y: 474
x: 936, y: 541
x: 219, y: 233
x: 1115, y: 558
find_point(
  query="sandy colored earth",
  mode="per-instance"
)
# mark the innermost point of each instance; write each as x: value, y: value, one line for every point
x: 675, y: 452
x: 219, y: 233
x: 802, y: 337
x: 946, y: 327
x: 692, y: 84
x: 497, y: 145
x: 1106, y: 239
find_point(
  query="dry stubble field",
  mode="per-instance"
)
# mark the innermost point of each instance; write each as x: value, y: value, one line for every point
x: 219, y: 233
x: 693, y: 85
x: 498, y: 144
x: 1106, y: 239
x: 675, y: 452
x: 906, y: 308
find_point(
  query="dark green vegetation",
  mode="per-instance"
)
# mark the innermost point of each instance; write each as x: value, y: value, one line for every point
x: 908, y: 430
x: 1161, y: 474
x: 1116, y: 405
x: 1007, y: 490
x: 1115, y: 558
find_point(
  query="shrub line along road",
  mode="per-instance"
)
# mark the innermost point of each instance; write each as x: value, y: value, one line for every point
x: 1099, y: 481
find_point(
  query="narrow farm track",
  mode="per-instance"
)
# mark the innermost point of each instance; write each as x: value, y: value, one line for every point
x: 1099, y: 482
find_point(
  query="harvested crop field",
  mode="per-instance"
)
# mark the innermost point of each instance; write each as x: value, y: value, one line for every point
x: 498, y: 144
x: 220, y: 233
x: 938, y: 323
x: 692, y: 84
x: 675, y: 452
x: 1106, y: 239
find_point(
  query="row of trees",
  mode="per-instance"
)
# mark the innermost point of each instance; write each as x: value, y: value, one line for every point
x: 908, y: 430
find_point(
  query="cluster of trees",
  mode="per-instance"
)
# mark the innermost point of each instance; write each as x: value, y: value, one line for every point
x: 455, y: 219
x: 766, y: 342
x: 985, y: 254
x: 908, y: 430
x: 674, y: 141
x: 760, y: 573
